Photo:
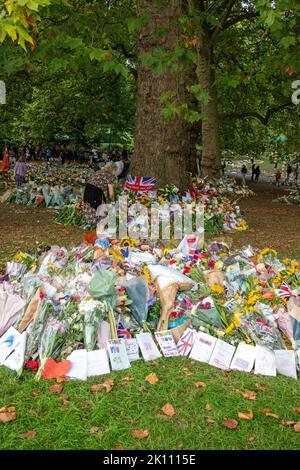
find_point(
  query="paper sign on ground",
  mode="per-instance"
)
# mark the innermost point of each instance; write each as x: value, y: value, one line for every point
x: 166, y: 342
x: 97, y: 363
x: 203, y: 347
x: 78, y: 368
x: 244, y: 358
x: 132, y: 349
x: 15, y: 360
x: 265, y: 362
x: 148, y: 347
x: 286, y: 362
x: 117, y: 354
x: 8, y: 343
x: 185, y: 343
x: 222, y: 355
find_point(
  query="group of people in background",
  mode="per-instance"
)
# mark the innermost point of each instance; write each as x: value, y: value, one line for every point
x: 16, y: 158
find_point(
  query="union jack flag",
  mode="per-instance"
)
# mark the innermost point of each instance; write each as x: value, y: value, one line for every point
x: 284, y: 291
x: 185, y: 343
x: 140, y: 184
x: 122, y: 332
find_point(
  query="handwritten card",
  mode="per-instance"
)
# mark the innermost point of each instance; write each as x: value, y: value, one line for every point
x: 185, y: 343
x: 15, y: 360
x: 286, y: 363
x: 148, y: 347
x: 78, y: 370
x: 166, y: 342
x: 117, y: 354
x: 132, y: 349
x: 265, y: 362
x: 8, y: 343
x: 203, y: 347
x: 97, y: 363
x: 222, y: 355
x: 244, y: 358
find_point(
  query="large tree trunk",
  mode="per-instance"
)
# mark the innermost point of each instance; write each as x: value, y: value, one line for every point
x: 210, y: 163
x: 161, y: 146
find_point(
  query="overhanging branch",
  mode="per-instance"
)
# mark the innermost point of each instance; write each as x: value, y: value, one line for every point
x: 263, y: 119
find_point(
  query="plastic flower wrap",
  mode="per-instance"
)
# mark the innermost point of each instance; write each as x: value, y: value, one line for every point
x: 51, y: 342
x: 261, y: 331
x: 93, y: 311
x: 37, y: 329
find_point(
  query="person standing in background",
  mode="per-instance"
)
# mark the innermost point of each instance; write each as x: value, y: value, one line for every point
x: 244, y: 172
x: 20, y: 171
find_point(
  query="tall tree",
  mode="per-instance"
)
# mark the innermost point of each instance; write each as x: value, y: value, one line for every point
x: 161, y: 145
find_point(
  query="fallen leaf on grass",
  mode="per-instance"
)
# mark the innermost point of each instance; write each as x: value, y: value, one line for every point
x: 56, y: 389
x: 7, y: 413
x: 287, y: 422
x: 127, y: 379
x: 249, y: 394
x: 95, y: 430
x: 35, y: 394
x: 200, y: 384
x: 297, y: 427
x: 261, y: 387
x: 96, y: 388
x: 109, y: 385
x: 272, y: 415
x: 168, y: 410
x: 142, y: 389
x: 251, y: 439
x: 152, y: 378
x: 265, y: 410
x: 187, y: 372
x: 60, y: 380
x: 209, y: 421
x: 208, y: 407
x: 230, y: 423
x: 119, y: 447
x: 32, y: 412
x: 140, y: 433
x: 28, y: 435
x: 297, y: 409
x: 246, y: 416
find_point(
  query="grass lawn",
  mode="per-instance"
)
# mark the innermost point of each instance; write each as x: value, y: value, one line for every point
x: 80, y: 419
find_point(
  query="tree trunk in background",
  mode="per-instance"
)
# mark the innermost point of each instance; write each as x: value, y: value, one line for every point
x: 210, y: 163
x: 193, y: 129
x: 161, y: 146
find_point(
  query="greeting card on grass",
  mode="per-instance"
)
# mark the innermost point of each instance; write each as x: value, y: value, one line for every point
x: 185, y: 343
x: 97, y: 363
x: 117, y: 354
x: 286, y: 362
x: 148, y: 347
x: 203, y: 347
x: 15, y: 360
x: 167, y: 344
x: 78, y: 370
x: 132, y: 349
x: 244, y: 358
x: 8, y: 343
x: 265, y: 362
x: 222, y: 355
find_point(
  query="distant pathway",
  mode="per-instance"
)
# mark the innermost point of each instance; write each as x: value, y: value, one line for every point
x: 271, y: 224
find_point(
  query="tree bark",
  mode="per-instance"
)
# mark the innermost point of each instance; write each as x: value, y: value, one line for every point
x: 161, y: 146
x: 210, y: 163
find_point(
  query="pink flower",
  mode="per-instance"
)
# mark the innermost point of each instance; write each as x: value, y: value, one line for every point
x: 212, y: 263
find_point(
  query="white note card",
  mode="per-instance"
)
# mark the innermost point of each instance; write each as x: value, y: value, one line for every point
x: 132, y: 349
x: 8, y: 343
x: 265, y: 362
x: 203, y: 347
x: 117, y: 354
x: 148, y: 347
x: 222, y: 355
x: 244, y: 358
x: 286, y: 362
x: 97, y: 363
x: 166, y: 343
x: 78, y: 368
